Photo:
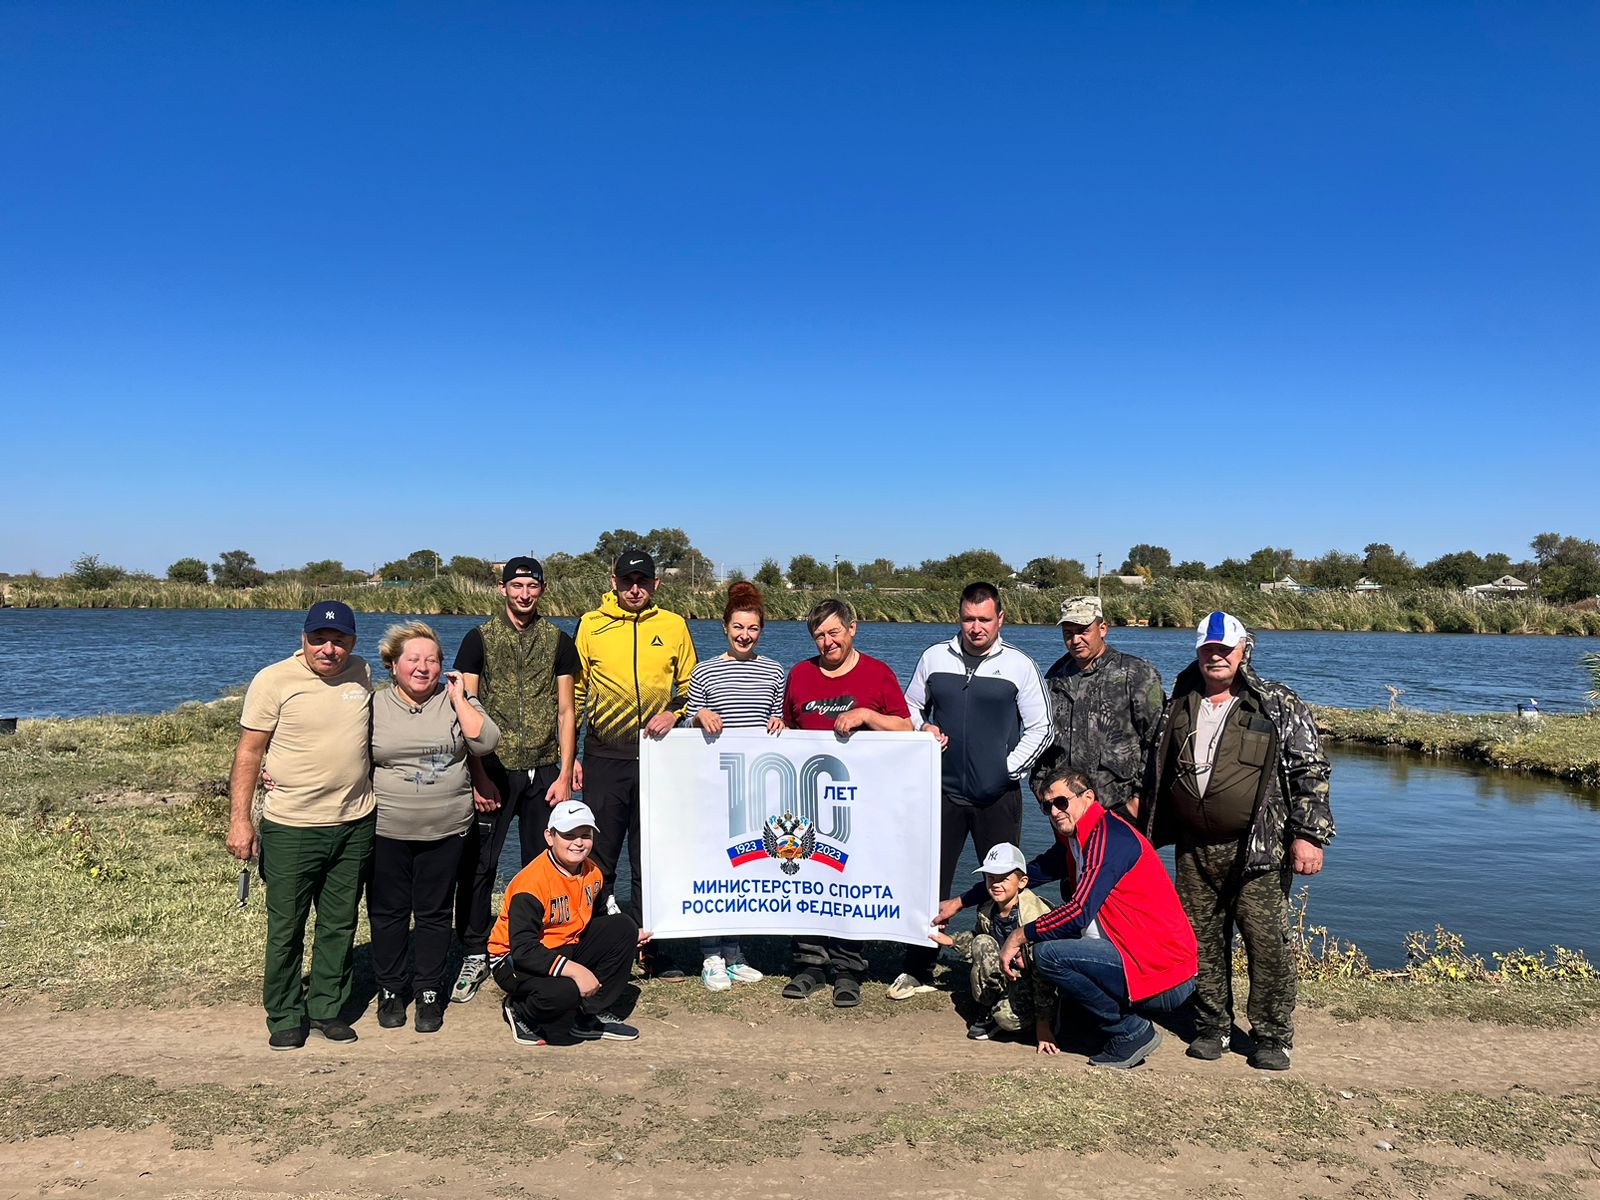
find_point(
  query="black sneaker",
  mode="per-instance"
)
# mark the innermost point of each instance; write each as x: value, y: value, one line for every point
x: 587, y: 1028
x: 614, y: 1029
x: 391, y: 1009
x: 430, y: 1012
x: 522, y: 1033
x: 1269, y: 1056
x: 334, y: 1030
x: 287, y: 1039
x: 983, y: 1030
x: 659, y: 966
x: 1207, y: 1048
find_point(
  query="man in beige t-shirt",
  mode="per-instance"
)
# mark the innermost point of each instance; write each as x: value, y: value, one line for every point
x: 308, y: 720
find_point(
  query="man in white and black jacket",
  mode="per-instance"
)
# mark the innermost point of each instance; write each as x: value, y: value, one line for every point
x: 985, y: 702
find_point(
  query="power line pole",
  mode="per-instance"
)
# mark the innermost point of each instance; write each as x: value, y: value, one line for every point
x: 836, y: 573
x: 1097, y: 591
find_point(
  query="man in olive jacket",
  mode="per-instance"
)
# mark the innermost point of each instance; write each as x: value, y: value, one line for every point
x: 524, y: 672
x: 1238, y: 779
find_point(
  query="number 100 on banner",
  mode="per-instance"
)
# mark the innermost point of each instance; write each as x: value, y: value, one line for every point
x: 799, y: 833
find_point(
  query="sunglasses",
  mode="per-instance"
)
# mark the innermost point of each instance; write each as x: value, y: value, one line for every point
x: 1060, y: 804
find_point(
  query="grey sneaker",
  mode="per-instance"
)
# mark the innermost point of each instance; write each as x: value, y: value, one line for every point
x: 474, y: 970
x: 982, y: 1030
x: 615, y: 1029
x: 906, y: 986
x: 1123, y: 1054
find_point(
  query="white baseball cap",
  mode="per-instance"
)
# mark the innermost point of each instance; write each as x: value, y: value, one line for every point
x: 1219, y: 628
x: 570, y: 815
x: 1002, y: 860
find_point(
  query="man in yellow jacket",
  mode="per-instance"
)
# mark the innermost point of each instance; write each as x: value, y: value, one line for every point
x: 634, y: 662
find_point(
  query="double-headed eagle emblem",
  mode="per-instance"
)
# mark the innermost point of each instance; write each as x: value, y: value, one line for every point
x: 789, y: 839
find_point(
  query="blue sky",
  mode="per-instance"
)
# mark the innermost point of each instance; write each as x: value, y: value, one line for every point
x: 345, y: 280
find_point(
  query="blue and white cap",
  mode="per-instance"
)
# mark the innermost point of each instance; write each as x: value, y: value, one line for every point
x: 1219, y: 629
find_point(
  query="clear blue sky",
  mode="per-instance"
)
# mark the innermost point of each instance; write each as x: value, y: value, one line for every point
x: 345, y: 280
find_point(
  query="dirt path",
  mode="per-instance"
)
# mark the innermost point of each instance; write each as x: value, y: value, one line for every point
x: 189, y: 1102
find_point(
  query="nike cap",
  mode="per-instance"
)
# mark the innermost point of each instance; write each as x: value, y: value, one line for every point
x: 570, y: 815
x: 635, y: 562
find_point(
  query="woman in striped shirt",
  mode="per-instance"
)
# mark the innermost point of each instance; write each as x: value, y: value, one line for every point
x: 738, y: 689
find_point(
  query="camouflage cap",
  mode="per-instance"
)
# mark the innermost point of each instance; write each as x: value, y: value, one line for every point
x: 1080, y: 610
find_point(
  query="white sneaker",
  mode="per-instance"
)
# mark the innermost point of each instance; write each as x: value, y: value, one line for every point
x: 906, y: 986
x: 714, y: 974
x: 474, y: 970
x: 744, y: 973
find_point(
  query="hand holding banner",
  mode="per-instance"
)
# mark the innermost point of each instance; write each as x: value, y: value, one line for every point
x: 803, y: 833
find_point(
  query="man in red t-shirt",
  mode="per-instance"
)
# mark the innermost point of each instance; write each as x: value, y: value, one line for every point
x: 843, y: 690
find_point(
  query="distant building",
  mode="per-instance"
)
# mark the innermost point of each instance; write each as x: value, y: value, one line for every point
x: 1504, y: 586
x: 1286, y: 584
x: 1132, y: 581
x: 1367, y: 585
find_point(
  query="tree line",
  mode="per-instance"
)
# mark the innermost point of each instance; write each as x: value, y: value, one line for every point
x: 1563, y: 568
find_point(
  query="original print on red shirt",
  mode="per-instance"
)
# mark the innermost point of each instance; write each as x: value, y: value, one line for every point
x: 814, y: 701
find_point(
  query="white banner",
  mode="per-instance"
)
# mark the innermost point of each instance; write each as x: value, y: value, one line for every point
x: 799, y: 833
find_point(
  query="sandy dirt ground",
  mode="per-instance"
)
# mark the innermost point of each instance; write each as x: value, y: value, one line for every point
x: 191, y: 1103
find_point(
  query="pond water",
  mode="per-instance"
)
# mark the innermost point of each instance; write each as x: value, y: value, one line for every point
x: 1504, y: 859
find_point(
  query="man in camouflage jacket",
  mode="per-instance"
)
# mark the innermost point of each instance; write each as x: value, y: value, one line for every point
x: 1238, y: 779
x: 1106, y: 706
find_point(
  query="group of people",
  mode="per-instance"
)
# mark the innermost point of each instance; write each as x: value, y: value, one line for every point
x: 409, y: 794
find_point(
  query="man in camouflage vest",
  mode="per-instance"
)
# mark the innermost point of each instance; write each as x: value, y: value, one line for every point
x: 1239, y: 780
x: 522, y: 669
x: 1105, y: 705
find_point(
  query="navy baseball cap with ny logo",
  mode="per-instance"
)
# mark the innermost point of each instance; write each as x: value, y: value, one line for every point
x: 331, y: 614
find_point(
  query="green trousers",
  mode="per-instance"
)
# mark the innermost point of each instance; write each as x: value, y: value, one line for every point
x: 1218, y: 900
x: 321, y: 866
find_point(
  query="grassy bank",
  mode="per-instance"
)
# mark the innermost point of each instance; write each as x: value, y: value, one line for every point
x: 1168, y: 604
x: 116, y: 890
x: 1564, y: 746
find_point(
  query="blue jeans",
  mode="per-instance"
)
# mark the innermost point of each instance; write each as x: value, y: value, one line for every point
x: 1089, y: 972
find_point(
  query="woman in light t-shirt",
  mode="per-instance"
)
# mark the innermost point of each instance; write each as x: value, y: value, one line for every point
x: 738, y: 689
x: 423, y: 728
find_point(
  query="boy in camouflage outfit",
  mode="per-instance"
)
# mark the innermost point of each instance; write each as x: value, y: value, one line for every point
x: 1011, y: 1005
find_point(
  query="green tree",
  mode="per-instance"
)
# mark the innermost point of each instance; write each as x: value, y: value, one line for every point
x: 1157, y: 558
x: 325, y: 571
x: 1234, y: 571
x: 967, y: 567
x: 1458, y: 570
x: 1268, y: 564
x: 1382, y: 564
x: 769, y: 574
x: 237, y: 569
x: 608, y: 547
x: 189, y: 570
x: 1335, y: 569
x: 1191, y: 569
x: 465, y: 566
x: 847, y: 575
x: 89, y: 572
x: 878, y: 573
x: 414, y: 567
x: 1569, y: 567
x: 807, y: 572
x: 1047, y: 571
x: 669, y: 547
x: 735, y: 575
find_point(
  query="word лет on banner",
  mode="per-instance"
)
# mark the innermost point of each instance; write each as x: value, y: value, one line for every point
x: 805, y: 832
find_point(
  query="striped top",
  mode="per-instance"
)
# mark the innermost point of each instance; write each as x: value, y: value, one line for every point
x: 744, y: 694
